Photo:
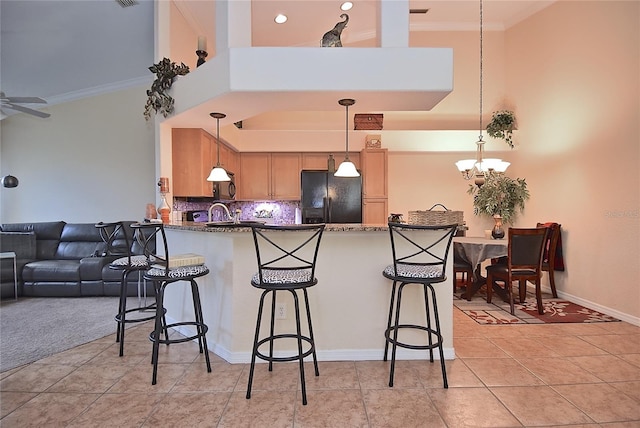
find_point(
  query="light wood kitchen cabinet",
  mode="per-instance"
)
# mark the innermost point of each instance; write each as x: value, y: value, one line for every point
x: 193, y: 152
x: 228, y: 158
x: 269, y: 176
x: 374, y: 173
x: 318, y: 160
x: 374, y: 211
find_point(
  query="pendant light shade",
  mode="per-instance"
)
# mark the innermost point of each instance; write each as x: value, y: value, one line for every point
x: 347, y: 168
x: 218, y: 173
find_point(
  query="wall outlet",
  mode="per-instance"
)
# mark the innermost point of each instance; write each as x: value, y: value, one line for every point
x: 281, y: 311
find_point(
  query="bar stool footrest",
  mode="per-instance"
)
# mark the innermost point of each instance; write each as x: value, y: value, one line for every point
x: 288, y: 358
x: 182, y: 339
x: 118, y: 317
x: 436, y: 344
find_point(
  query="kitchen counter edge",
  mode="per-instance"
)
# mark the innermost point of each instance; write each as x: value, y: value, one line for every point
x: 347, y: 227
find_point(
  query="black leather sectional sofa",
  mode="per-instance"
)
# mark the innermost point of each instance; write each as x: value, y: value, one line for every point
x: 62, y: 259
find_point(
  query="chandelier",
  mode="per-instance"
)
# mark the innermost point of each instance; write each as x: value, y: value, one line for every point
x: 480, y: 167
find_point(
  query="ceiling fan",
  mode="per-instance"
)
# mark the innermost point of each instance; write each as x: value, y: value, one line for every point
x: 13, y: 103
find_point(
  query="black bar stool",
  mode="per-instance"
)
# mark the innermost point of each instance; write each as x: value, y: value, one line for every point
x: 419, y: 257
x: 286, y: 262
x: 119, y: 245
x: 162, y: 273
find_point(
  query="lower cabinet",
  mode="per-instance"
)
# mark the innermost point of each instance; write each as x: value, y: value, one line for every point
x: 374, y: 210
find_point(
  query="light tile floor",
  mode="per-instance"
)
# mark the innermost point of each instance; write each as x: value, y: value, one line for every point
x: 504, y: 376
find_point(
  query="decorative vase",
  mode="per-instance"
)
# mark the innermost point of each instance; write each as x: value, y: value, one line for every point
x: 164, y: 209
x: 498, y: 231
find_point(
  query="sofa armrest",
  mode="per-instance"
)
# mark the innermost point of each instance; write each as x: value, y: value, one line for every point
x: 21, y: 243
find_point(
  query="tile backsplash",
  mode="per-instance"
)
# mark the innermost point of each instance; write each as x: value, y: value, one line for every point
x: 277, y: 212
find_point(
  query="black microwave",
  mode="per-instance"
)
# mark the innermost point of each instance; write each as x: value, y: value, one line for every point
x: 224, y: 190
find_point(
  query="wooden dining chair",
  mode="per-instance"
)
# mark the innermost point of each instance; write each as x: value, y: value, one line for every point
x: 462, y: 267
x: 524, y: 263
x: 551, y: 247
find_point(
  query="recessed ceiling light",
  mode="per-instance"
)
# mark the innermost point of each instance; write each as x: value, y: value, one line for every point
x: 346, y: 6
x: 280, y: 18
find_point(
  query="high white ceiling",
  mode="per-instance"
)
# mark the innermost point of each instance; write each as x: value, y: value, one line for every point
x: 64, y: 50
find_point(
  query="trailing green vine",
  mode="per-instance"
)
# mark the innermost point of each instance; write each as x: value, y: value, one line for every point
x: 501, y: 126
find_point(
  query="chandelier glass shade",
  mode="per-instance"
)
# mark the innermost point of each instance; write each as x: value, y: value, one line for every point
x: 218, y: 173
x: 347, y: 168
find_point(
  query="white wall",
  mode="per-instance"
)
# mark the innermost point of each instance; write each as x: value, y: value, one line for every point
x: 92, y: 160
x: 574, y: 72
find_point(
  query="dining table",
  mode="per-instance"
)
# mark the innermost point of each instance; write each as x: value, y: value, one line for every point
x: 475, y: 250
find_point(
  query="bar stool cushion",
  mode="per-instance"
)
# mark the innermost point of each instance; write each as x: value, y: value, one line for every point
x: 177, y: 272
x: 413, y: 271
x: 283, y: 276
x: 137, y: 262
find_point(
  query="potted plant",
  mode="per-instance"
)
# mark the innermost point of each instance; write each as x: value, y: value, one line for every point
x: 501, y: 126
x: 500, y: 197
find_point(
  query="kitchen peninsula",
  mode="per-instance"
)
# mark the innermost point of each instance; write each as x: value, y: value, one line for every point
x: 349, y: 305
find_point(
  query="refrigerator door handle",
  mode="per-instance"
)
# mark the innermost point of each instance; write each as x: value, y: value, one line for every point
x: 329, y: 211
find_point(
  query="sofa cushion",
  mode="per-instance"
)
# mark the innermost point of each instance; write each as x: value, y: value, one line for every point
x: 79, y: 240
x: 47, y: 236
x: 52, y: 270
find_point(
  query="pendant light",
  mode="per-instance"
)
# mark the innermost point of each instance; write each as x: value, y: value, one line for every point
x: 479, y: 168
x: 347, y: 168
x: 218, y: 173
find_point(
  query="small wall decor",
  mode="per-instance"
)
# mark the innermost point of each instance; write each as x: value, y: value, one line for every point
x: 373, y: 141
x: 159, y: 101
x: 368, y: 122
x: 331, y: 38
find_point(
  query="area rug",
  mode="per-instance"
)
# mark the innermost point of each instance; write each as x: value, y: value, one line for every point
x: 555, y: 311
x: 32, y: 328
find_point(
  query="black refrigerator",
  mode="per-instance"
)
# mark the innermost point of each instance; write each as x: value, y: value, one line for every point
x: 329, y: 199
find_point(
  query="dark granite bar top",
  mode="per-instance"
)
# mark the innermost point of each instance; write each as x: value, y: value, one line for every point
x: 347, y: 227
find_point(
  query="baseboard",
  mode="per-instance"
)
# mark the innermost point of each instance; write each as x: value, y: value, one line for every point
x: 597, y: 307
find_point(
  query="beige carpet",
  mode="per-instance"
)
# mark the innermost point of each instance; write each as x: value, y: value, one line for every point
x: 36, y: 327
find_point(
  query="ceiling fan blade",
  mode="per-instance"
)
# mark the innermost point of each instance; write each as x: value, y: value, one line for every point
x: 26, y: 110
x: 24, y: 100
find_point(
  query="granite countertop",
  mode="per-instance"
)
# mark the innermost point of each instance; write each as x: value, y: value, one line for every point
x: 348, y: 227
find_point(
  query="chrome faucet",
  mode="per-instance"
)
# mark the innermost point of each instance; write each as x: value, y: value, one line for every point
x: 224, y: 207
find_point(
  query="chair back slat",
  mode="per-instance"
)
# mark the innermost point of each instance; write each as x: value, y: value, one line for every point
x: 115, y: 238
x: 421, y: 245
x: 526, y: 247
x: 148, y: 236
x: 291, y: 247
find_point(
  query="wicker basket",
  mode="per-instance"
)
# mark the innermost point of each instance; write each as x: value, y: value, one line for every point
x: 435, y: 218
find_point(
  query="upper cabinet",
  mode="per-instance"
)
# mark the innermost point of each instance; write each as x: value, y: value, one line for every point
x: 269, y: 176
x: 319, y: 160
x: 229, y: 158
x: 374, y: 173
x: 374, y: 185
x: 192, y: 160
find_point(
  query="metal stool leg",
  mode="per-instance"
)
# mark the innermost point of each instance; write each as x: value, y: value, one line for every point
x: 157, y: 330
x: 313, y: 341
x: 255, y: 343
x: 386, y: 342
x: 439, y: 336
x: 396, y: 327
